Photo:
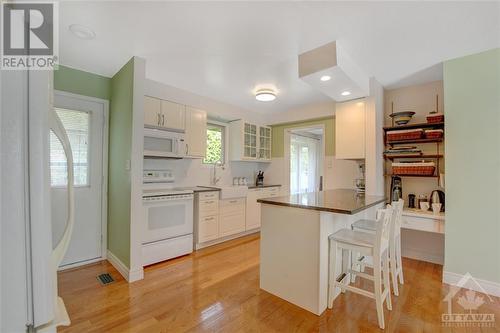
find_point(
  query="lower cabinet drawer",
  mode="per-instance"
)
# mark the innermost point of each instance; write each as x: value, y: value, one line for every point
x: 232, y: 206
x: 208, y: 207
x: 208, y: 229
x: 231, y: 224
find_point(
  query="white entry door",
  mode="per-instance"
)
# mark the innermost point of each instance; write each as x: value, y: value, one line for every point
x: 83, y: 119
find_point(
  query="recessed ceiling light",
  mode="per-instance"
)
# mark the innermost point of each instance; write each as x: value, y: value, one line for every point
x: 82, y: 31
x: 325, y: 78
x: 346, y: 93
x: 265, y: 95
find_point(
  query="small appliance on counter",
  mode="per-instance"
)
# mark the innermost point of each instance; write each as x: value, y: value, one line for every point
x: 259, y: 181
x: 437, y: 197
x: 411, y: 200
x: 360, y: 185
x: 396, y: 188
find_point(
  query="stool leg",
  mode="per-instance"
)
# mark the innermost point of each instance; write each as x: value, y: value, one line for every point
x: 387, y: 283
x: 332, y: 276
x: 399, y: 260
x: 394, y: 267
x: 378, y: 290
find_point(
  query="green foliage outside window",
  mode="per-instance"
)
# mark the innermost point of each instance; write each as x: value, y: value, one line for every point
x: 215, y: 152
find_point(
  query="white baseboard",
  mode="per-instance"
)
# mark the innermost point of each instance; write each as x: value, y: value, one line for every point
x: 418, y: 254
x: 129, y: 275
x: 200, y: 246
x: 479, y: 285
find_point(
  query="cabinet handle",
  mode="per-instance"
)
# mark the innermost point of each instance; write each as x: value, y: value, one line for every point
x: 209, y: 218
x: 233, y: 201
x: 209, y: 202
x: 163, y: 120
x: 159, y: 117
x: 187, y: 148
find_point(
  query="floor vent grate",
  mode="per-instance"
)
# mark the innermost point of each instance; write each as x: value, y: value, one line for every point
x: 105, y: 279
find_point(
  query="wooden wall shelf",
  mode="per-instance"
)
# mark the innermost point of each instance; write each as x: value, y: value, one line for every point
x: 411, y: 176
x: 416, y: 125
x: 413, y: 141
x: 416, y: 156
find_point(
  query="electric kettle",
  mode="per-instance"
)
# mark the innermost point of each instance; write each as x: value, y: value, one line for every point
x: 437, y: 196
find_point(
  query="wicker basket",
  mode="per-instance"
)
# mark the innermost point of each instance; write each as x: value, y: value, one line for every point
x: 414, y: 169
x: 434, y: 134
x: 403, y: 135
x: 435, y: 118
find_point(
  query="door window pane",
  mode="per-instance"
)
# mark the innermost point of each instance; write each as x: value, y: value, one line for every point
x: 76, y: 124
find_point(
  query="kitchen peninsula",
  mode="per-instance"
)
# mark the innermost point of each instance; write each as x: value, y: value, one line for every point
x: 294, y: 241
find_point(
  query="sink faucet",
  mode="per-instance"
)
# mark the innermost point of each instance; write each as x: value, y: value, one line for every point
x: 216, y: 179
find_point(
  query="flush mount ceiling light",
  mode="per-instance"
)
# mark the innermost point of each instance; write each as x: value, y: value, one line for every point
x: 346, y: 93
x: 325, y: 78
x: 265, y: 95
x: 82, y: 31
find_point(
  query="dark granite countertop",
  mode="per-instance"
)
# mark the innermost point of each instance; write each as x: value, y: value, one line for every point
x: 334, y: 201
x: 264, y: 186
x: 199, y: 188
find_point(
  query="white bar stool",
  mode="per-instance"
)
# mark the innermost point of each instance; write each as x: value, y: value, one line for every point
x: 395, y: 260
x: 374, y: 245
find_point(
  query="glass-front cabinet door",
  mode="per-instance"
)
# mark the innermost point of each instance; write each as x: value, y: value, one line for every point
x: 250, y: 141
x: 264, y: 143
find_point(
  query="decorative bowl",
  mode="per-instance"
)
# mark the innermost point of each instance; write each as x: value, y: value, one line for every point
x: 403, y: 117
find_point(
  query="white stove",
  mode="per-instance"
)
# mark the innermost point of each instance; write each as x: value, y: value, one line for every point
x: 168, y: 216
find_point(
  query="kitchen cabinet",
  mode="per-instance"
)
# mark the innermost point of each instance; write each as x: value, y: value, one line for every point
x: 163, y: 114
x: 196, y: 132
x: 249, y: 142
x: 253, y: 207
x: 265, y: 143
x: 232, y: 216
x: 152, y: 111
x: 206, y: 216
x: 350, y: 130
x: 173, y: 115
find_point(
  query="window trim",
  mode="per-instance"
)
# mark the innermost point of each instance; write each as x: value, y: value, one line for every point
x: 225, y: 140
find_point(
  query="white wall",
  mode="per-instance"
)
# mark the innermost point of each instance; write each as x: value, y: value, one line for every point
x: 215, y: 109
x: 374, y: 145
x: 192, y: 172
x: 305, y: 112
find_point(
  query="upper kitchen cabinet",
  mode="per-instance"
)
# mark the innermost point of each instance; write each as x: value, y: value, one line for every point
x: 350, y: 130
x: 249, y: 142
x: 173, y: 115
x: 152, y: 111
x: 265, y: 143
x: 163, y: 114
x: 196, y: 132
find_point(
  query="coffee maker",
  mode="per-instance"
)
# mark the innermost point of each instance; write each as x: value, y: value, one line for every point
x: 396, y: 188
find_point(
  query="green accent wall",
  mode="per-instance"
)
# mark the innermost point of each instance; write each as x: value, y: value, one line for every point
x: 278, y: 146
x: 472, y: 115
x: 120, y: 150
x: 83, y: 83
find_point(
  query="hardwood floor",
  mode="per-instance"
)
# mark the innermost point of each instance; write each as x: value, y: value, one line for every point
x: 217, y: 290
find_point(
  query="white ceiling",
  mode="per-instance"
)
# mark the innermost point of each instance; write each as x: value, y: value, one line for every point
x: 224, y: 50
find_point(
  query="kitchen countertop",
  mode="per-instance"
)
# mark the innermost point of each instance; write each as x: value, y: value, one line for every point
x: 263, y: 186
x: 334, y: 201
x: 198, y: 188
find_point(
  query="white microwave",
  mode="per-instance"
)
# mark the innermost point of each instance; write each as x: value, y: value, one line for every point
x: 166, y: 144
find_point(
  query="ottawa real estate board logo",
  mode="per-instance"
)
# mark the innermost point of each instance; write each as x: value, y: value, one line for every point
x: 29, y: 37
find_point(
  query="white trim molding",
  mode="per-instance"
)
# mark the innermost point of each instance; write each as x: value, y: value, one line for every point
x: 479, y: 285
x: 129, y: 275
